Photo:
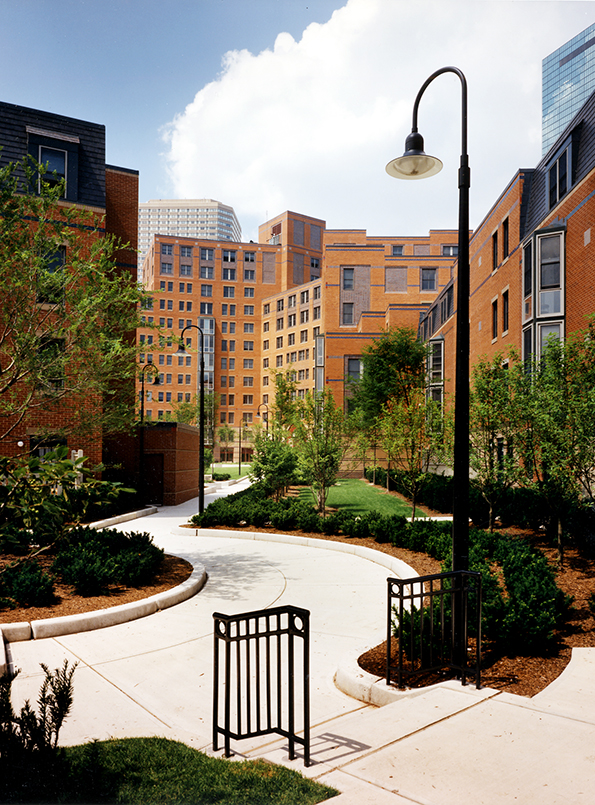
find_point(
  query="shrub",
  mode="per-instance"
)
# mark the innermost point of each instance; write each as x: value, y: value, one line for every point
x: 27, y: 584
x: 221, y: 476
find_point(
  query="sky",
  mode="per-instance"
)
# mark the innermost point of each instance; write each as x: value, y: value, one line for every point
x: 274, y: 105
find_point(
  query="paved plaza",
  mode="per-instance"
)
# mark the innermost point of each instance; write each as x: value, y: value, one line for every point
x: 446, y: 744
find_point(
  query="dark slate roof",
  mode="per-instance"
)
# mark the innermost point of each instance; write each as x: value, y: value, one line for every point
x: 14, y: 120
x: 581, y: 133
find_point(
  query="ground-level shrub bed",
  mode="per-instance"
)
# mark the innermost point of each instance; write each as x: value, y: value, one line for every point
x: 154, y: 770
x: 521, y: 603
x: 89, y: 560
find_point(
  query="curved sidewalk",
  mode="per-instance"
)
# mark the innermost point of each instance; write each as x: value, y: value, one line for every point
x: 152, y: 676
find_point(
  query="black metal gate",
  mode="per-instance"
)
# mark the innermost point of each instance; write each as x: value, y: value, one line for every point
x: 435, y: 619
x: 265, y: 675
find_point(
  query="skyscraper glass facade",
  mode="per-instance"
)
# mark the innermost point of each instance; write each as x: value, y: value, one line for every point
x: 568, y: 78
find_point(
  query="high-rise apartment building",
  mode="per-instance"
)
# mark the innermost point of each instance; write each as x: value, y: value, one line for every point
x: 187, y: 218
x: 568, y: 78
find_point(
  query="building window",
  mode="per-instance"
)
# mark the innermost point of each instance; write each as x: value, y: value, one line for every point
x: 279, y: 361
x: 291, y: 339
x: 185, y: 251
x: 266, y: 309
x: 495, y: 319
x: 304, y: 297
x: 265, y: 345
x: 207, y: 273
x: 291, y: 320
x: 397, y: 250
x: 505, y: 312
x: 558, y: 178
x: 229, y: 274
x: 206, y: 290
x: 248, y: 327
x: 305, y: 316
x: 248, y: 399
x: 265, y: 327
x: 166, y: 248
x: 314, y: 263
x: 167, y: 268
x: 548, y: 332
x: 279, y: 305
x: 317, y: 292
x: 249, y: 257
x: 494, y: 251
x: 248, y: 382
x: 303, y: 336
x: 248, y: 293
x: 248, y: 346
x: 185, y: 271
x: 229, y: 256
x: 206, y: 308
x: 291, y: 300
x: 449, y: 251
x: 550, y: 291
x: 348, y: 274
x: 206, y: 254
x: 248, y: 363
x: 316, y: 312
x: 248, y: 310
x: 505, y: 233
x: 280, y: 342
x: 228, y: 292
x: 347, y: 313
x: 280, y: 323
x: 428, y: 279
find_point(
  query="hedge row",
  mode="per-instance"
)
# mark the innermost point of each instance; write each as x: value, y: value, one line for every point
x: 89, y: 560
x: 522, y: 604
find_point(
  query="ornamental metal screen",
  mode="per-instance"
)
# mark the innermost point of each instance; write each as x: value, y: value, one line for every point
x: 262, y: 667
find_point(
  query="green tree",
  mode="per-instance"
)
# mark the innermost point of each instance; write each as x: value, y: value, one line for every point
x: 493, y: 426
x: 274, y: 461
x: 556, y: 436
x: 188, y: 413
x: 393, y: 363
x: 226, y: 436
x: 412, y: 435
x: 68, y: 314
x: 320, y: 442
x: 284, y: 406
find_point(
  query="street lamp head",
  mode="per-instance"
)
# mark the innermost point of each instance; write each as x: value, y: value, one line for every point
x: 415, y: 163
x: 181, y: 350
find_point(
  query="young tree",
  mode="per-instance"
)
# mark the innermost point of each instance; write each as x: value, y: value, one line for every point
x: 393, y: 363
x: 226, y: 435
x: 320, y: 442
x: 412, y: 435
x: 493, y: 426
x: 274, y: 460
x: 284, y: 405
x: 189, y: 413
x: 68, y: 314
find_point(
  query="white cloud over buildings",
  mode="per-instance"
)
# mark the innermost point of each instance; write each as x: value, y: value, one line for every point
x: 309, y: 125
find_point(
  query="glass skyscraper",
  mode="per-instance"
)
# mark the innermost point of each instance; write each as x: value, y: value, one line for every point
x: 568, y: 78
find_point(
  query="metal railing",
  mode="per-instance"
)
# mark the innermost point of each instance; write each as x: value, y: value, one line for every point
x: 435, y: 619
x: 265, y: 676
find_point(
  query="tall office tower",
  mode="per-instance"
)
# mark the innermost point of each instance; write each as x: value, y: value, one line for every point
x: 188, y: 218
x: 568, y: 78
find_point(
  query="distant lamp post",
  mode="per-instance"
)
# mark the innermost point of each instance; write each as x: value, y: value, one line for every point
x: 181, y: 351
x: 141, y: 462
x: 265, y: 416
x: 416, y: 164
x: 244, y: 423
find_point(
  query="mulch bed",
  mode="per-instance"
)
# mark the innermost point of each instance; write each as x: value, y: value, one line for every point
x: 173, y: 571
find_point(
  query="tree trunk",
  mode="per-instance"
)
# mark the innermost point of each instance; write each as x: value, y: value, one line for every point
x: 560, y: 543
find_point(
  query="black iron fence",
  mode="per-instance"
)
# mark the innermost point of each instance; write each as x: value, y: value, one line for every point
x: 436, y: 621
x: 264, y: 675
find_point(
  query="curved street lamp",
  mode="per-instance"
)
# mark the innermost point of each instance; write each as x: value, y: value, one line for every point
x: 181, y: 351
x: 416, y: 164
x: 265, y: 416
x: 141, y: 463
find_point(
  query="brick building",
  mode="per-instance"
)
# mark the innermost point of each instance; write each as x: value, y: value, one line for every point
x: 76, y: 150
x: 531, y: 259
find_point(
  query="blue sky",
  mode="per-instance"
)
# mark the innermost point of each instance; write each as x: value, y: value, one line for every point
x: 270, y: 105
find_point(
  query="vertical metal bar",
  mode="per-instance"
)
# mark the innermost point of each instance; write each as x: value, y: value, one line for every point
x: 290, y: 691
x: 227, y: 689
x: 238, y: 678
x: 400, y: 636
x: 306, y: 641
x: 216, y: 687
x: 248, y: 680
x: 279, y: 690
x: 258, y: 701
x: 268, y: 676
x: 389, y: 598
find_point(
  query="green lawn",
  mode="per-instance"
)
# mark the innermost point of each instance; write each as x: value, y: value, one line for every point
x: 148, y: 771
x: 232, y: 469
x: 358, y: 496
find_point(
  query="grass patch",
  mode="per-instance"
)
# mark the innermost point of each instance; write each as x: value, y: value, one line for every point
x: 148, y: 771
x: 232, y: 469
x: 357, y: 496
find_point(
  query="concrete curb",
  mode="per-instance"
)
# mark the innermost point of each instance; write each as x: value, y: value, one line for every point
x: 100, y: 618
x: 124, y: 518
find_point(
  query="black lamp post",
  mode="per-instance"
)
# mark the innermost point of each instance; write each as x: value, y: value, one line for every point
x: 415, y: 164
x: 141, y: 463
x: 181, y: 351
x: 265, y: 415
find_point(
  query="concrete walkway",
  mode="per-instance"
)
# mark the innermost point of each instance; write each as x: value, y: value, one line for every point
x: 447, y: 744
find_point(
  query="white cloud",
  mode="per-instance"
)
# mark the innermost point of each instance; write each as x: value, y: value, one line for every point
x: 310, y: 124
